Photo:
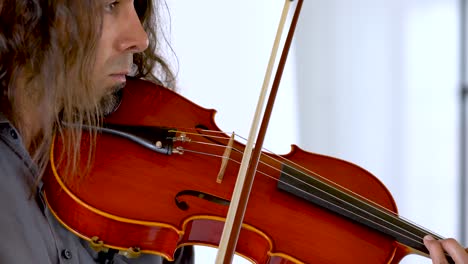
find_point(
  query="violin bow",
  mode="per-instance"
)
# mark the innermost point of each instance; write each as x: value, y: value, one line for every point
x: 246, y: 174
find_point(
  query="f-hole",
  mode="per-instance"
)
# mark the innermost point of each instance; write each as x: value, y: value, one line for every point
x: 182, y: 205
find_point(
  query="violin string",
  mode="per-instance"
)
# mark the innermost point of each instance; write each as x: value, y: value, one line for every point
x: 363, y: 199
x: 378, y: 206
x: 328, y: 202
x: 323, y: 179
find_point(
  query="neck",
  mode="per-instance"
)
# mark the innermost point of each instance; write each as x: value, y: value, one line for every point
x: 353, y: 207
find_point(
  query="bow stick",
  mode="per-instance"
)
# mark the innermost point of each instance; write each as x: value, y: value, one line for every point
x: 250, y: 158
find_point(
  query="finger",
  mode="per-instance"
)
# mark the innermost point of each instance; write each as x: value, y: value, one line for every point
x: 455, y: 250
x: 435, y: 250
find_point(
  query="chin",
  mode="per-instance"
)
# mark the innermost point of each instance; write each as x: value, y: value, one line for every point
x: 111, y: 100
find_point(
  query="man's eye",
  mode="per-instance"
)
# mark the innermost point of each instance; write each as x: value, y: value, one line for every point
x: 110, y: 6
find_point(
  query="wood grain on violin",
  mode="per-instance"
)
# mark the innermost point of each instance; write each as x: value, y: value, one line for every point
x: 155, y: 185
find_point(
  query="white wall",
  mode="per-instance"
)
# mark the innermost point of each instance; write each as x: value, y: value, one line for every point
x: 371, y: 81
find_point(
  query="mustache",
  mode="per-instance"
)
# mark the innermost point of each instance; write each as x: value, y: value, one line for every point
x: 122, y: 63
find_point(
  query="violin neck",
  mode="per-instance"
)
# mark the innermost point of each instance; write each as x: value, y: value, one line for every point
x: 352, y: 207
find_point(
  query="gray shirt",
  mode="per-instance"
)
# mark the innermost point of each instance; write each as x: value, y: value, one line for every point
x: 29, y: 232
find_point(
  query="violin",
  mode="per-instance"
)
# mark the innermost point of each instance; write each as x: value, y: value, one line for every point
x: 163, y: 174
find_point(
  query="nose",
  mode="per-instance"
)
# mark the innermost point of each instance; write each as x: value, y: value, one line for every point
x: 133, y: 38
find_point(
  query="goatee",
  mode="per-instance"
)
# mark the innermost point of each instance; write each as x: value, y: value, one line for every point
x: 110, y: 102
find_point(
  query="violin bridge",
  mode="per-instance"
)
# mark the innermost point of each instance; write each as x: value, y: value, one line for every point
x: 225, y: 159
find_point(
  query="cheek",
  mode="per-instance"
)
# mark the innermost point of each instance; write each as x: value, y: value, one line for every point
x: 103, y: 48
x: 105, y: 43
x: 99, y: 64
x: 100, y: 70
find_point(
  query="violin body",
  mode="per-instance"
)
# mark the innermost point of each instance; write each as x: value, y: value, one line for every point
x: 137, y: 200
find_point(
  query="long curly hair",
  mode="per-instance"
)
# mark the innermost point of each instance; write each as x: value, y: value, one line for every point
x: 47, y: 54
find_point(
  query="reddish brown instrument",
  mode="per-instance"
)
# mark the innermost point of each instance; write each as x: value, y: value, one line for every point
x: 128, y: 200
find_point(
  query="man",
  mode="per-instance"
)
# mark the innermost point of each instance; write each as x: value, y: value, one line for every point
x: 61, y: 61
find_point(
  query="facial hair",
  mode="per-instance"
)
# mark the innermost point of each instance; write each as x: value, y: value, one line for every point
x: 111, y: 101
